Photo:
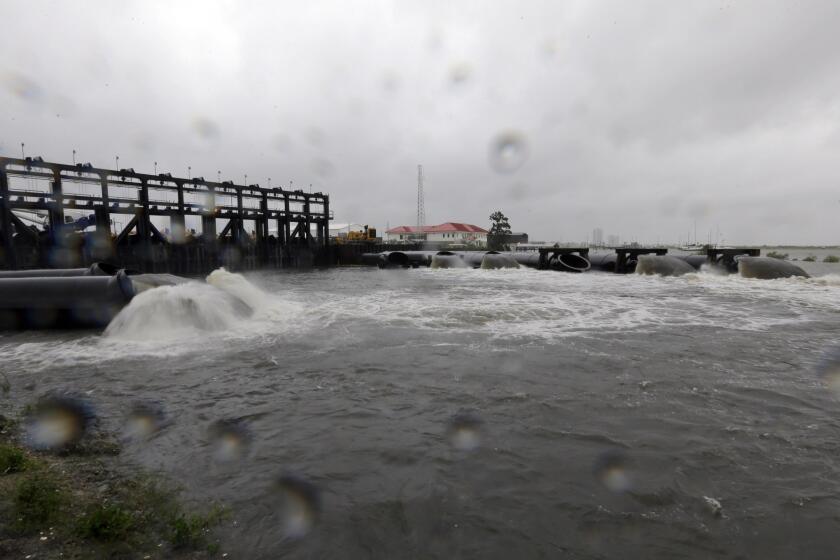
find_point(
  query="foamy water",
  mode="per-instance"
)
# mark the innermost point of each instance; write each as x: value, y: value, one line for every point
x: 522, y: 304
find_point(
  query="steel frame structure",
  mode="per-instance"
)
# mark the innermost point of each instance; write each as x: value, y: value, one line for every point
x: 113, y: 192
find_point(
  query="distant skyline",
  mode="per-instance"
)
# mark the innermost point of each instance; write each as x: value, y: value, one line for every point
x: 636, y: 117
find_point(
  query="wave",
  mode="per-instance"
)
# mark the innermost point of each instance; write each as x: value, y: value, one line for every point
x: 826, y: 280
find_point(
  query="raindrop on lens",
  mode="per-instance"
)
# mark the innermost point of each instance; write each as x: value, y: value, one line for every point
x: 21, y: 86
x: 829, y: 370
x: 612, y: 469
x: 508, y: 151
x: 205, y: 128
x: 144, y: 421
x: 464, y: 432
x: 230, y: 439
x: 299, y: 503
x: 459, y: 73
x: 58, y: 422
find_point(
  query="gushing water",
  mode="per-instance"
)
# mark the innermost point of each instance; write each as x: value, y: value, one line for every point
x: 172, y: 312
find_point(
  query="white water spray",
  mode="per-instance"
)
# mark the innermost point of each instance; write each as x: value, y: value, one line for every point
x: 172, y: 312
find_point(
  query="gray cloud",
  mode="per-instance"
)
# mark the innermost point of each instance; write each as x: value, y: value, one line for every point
x: 638, y: 117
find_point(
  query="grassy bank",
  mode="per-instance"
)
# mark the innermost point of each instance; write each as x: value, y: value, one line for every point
x: 75, y: 504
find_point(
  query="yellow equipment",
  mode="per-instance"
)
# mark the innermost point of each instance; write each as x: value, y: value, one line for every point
x: 368, y: 235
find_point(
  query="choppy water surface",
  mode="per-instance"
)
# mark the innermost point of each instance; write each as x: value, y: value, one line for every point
x: 473, y: 413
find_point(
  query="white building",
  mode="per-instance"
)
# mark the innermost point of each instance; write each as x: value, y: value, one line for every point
x: 450, y: 232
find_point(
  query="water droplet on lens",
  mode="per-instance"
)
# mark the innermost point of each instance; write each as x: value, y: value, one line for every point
x: 508, y: 151
x: 282, y: 143
x: 612, y: 469
x: 322, y: 167
x: 459, y: 74
x: 315, y: 136
x: 205, y: 128
x: 464, y: 432
x: 22, y: 86
x: 299, y: 503
x: 58, y: 422
x: 390, y: 81
x: 549, y: 48
x: 829, y: 371
x: 518, y: 191
x: 178, y: 235
x: 231, y: 440
x: 144, y: 421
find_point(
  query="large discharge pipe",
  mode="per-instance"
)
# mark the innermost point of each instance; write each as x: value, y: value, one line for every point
x: 530, y: 258
x: 447, y: 259
x: 473, y: 258
x: 696, y: 261
x: 404, y: 259
x: 605, y: 262
x: 768, y: 268
x: 569, y: 262
x: 494, y: 260
x: 96, y: 269
x: 565, y: 262
x: 71, y: 301
x: 663, y: 265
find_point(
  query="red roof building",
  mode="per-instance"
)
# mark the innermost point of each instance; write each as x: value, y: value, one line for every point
x: 448, y: 227
x: 449, y: 232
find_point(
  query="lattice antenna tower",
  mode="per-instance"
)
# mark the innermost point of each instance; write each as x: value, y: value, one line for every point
x: 421, y: 204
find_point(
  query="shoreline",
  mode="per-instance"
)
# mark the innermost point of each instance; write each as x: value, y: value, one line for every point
x: 76, y: 502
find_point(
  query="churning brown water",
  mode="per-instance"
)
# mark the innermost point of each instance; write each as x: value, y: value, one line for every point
x: 477, y: 414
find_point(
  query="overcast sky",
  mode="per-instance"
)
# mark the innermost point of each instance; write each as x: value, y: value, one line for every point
x: 638, y: 117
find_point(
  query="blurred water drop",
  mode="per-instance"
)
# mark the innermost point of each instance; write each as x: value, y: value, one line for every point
x: 22, y: 86
x: 99, y: 246
x: 281, y: 142
x: 205, y: 128
x: 315, y: 136
x: 57, y: 422
x: 508, y: 151
x: 299, y: 503
x: 178, y: 234
x: 230, y: 440
x: 518, y: 191
x: 144, y: 141
x: 612, y: 469
x: 460, y: 73
x: 322, y: 167
x: 512, y: 364
x: 144, y: 420
x: 231, y: 257
x: 464, y: 431
x: 64, y: 257
x: 390, y: 81
x: 549, y: 48
x: 435, y: 40
x: 829, y: 371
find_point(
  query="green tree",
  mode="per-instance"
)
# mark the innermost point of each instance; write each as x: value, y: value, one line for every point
x: 499, y: 232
